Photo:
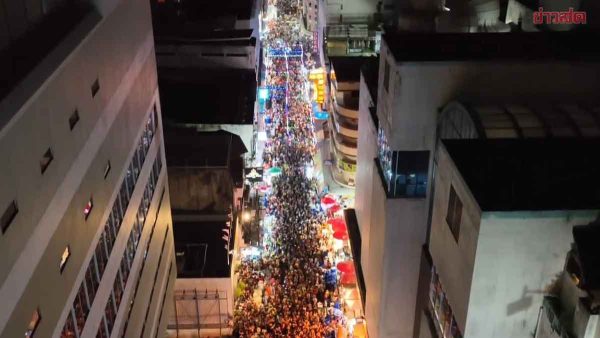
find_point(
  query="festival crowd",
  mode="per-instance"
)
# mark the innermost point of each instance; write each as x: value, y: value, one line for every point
x: 290, y: 289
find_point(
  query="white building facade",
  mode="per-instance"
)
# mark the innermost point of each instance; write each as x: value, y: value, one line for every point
x: 86, y: 240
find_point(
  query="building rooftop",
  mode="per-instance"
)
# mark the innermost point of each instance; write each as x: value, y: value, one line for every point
x: 186, y: 147
x: 530, y: 174
x: 185, y: 11
x: 347, y: 68
x: 194, y: 96
x: 519, y: 120
x: 567, y: 46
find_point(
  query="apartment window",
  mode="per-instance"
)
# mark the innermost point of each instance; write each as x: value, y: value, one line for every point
x: 73, y: 119
x: 46, y: 160
x: 110, y: 313
x: 88, y: 208
x: 386, y: 75
x: 81, y: 308
x: 8, y: 216
x: 91, y: 280
x: 69, y: 328
x: 101, y: 256
x: 95, y: 87
x: 33, y: 323
x: 405, y: 173
x: 107, y: 169
x: 102, y: 330
x: 118, y: 290
x: 454, y: 214
x: 64, y: 258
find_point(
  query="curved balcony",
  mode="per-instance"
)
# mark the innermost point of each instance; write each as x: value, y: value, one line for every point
x: 346, y: 145
x: 345, y: 126
x: 343, y: 169
x: 346, y: 105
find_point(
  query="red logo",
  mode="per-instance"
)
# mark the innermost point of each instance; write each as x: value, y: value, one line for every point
x: 561, y: 17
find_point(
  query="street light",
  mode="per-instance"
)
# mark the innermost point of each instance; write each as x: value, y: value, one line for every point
x: 246, y: 216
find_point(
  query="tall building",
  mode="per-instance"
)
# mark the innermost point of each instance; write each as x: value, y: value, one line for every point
x: 504, y: 217
x: 344, y: 86
x: 86, y: 240
x: 207, y: 34
x: 419, y: 74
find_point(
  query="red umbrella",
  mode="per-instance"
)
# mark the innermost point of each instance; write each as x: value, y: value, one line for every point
x: 335, y: 209
x: 328, y: 200
x: 348, y: 278
x: 346, y: 266
x: 337, y: 224
x: 341, y: 235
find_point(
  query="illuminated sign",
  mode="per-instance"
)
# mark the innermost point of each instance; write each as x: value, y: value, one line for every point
x: 263, y: 93
x: 317, y: 76
x: 253, y: 174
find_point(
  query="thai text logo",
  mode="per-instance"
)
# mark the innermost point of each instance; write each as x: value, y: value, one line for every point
x: 562, y: 17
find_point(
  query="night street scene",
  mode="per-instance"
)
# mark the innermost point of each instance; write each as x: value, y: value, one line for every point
x: 300, y: 168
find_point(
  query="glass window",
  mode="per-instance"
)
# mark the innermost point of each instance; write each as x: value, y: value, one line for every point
x: 8, y: 216
x: 118, y: 290
x: 102, y: 330
x: 130, y: 178
x: 107, y: 169
x: 141, y: 153
x: 110, y: 237
x: 88, y: 208
x: 64, y: 258
x: 117, y: 213
x: 109, y: 313
x: 95, y: 87
x: 131, y: 250
x: 155, y: 118
x: 101, y: 256
x: 454, y: 214
x: 46, y: 160
x: 73, y: 119
x: 81, y: 309
x: 91, y: 282
x: 33, y: 323
x: 69, y: 328
x: 135, y: 232
x: 141, y: 217
x: 124, y: 268
x: 405, y: 172
x: 124, y: 196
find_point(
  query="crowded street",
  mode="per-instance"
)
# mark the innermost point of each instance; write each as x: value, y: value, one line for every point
x: 290, y: 287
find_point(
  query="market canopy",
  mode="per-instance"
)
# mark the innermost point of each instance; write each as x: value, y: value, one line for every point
x: 346, y: 266
x: 341, y: 235
x: 337, y: 224
x: 328, y: 201
x: 275, y: 170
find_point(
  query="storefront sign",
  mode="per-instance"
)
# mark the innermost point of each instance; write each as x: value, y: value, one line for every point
x: 254, y: 175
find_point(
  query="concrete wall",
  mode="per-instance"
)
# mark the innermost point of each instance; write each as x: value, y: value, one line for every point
x: 519, y: 254
x: 367, y: 151
x: 375, y: 253
x: 209, y: 309
x: 454, y: 260
x: 200, y: 189
x: 349, y: 10
x: 202, y: 56
x: 119, y: 53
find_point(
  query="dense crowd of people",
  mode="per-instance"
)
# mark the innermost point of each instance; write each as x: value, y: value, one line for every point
x: 290, y: 289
